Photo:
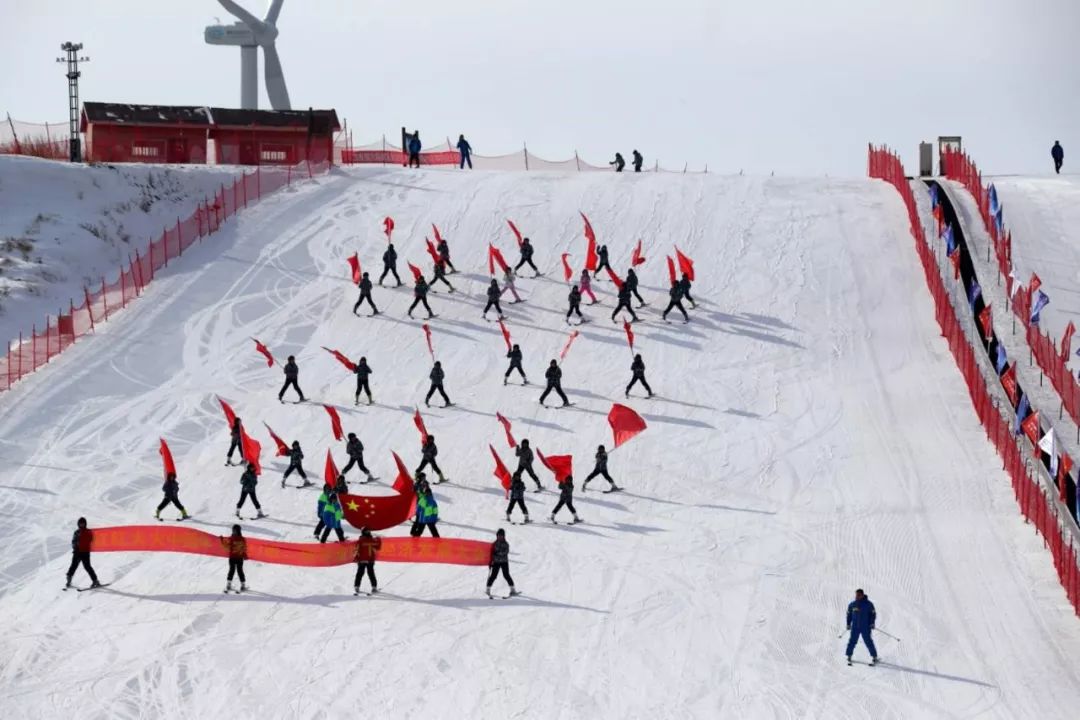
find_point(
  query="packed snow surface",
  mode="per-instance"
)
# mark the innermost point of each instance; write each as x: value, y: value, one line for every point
x: 811, y: 435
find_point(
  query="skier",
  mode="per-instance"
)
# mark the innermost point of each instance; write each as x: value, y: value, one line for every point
x: 638, y: 161
x: 524, y: 455
x: 428, y: 453
x: 465, y: 149
x: 171, y: 488
x: 861, y: 618
x: 427, y: 513
x: 414, y: 149
x: 618, y: 162
x: 493, y: 294
x: 637, y: 368
x: 355, y: 449
x: 236, y: 443
x: 420, y: 294
x: 517, y: 496
x: 389, y: 261
x: 632, y: 283
x: 419, y: 483
x: 1058, y: 154
x: 362, y: 373
x: 367, y: 549
x: 624, y: 302
x: 508, y: 284
x: 331, y: 518
x: 684, y: 286
x: 675, y: 293
x: 554, y: 382
x: 237, y: 546
x: 600, y: 469
x: 602, y: 254
x: 585, y: 283
x: 81, y: 542
x: 341, y: 486
x: 575, y: 305
x: 526, y: 256
x: 566, y: 497
x: 292, y: 373
x: 248, y: 481
x: 500, y: 562
x: 320, y: 504
x: 365, y: 294
x: 437, y: 375
x: 515, y: 364
x: 440, y: 275
x: 443, y: 250
x: 296, y: 457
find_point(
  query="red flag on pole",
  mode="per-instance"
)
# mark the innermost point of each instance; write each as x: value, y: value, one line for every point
x: 569, y: 342
x: 330, y: 473
x: 517, y: 233
x: 495, y: 256
x: 230, y: 416
x: 686, y: 265
x: 1034, y: 285
x: 415, y: 272
x: 388, y: 227
x: 403, y: 483
x: 432, y: 251
x: 566, y: 271
x: 615, y: 278
x: 955, y: 257
x: 637, y: 258
x: 252, y: 450
x: 419, y: 422
x: 506, y: 334
x: 335, y: 421
x: 282, y: 448
x: 438, y: 237
x: 986, y: 319
x: 500, y: 471
x: 625, y: 423
x: 629, y: 334
x: 265, y: 352
x: 427, y: 333
x: 1066, y: 340
x: 354, y: 264
x: 561, y: 466
x: 591, y: 259
x: 1064, y: 466
x: 166, y: 458
x: 1008, y: 381
x: 506, y: 426
x: 1030, y: 425
x: 341, y: 358
x: 670, y: 269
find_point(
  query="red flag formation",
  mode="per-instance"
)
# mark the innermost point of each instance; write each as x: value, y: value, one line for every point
x: 495, y: 256
x: 252, y: 450
x: 388, y: 227
x: 517, y: 233
x: 566, y: 271
x: 419, y: 422
x: 637, y: 258
x: 282, y: 448
x: 335, y: 421
x: 427, y: 333
x: 625, y: 423
x: 354, y: 264
x: 561, y: 466
x: 591, y: 259
x: 686, y: 265
x: 569, y: 342
x: 330, y: 472
x: 265, y: 352
x: 506, y: 426
x: 341, y: 359
x: 506, y: 334
x: 500, y: 471
x: 166, y: 458
x: 415, y: 272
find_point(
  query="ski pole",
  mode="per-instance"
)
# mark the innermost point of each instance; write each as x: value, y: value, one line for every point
x: 887, y: 634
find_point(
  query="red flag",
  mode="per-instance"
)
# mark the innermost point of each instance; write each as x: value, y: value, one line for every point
x: 330, y: 473
x: 517, y: 233
x: 266, y: 353
x: 629, y: 333
x: 986, y: 319
x: 637, y: 258
x: 591, y: 260
x: 388, y: 227
x: 354, y: 263
x: 166, y: 458
x: 1008, y: 381
x: 625, y: 423
x: 500, y: 471
x: 419, y: 422
x: 562, y: 466
x: 506, y: 426
x: 1030, y: 425
x: 230, y: 416
x: 438, y: 237
x: 1064, y: 466
x: 1034, y: 285
x: 282, y: 448
x: 252, y: 450
x: 427, y: 332
x: 670, y: 269
x: 415, y: 272
x: 615, y: 278
x: 569, y: 342
x: 506, y: 334
x: 1066, y: 340
x: 335, y: 421
x: 495, y: 256
x: 403, y: 483
x: 955, y: 257
x: 341, y: 358
x: 432, y: 251
x: 686, y: 265
x: 939, y: 212
x: 566, y: 271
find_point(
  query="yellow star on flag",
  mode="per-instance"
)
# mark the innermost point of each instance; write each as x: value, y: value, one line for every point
x: 353, y: 505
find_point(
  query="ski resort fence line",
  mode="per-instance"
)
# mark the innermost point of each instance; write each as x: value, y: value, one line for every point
x: 1041, y: 503
x: 35, y: 349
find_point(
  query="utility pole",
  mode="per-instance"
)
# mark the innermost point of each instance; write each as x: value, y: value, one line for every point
x: 73, y: 59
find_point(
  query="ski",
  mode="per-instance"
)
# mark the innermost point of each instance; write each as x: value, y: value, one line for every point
x: 611, y: 490
x: 94, y: 587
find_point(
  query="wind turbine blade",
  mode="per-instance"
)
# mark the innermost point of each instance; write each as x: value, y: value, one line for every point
x: 275, y: 10
x: 241, y: 14
x: 275, y: 79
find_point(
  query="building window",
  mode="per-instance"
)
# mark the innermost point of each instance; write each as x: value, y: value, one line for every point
x: 274, y: 153
x: 146, y: 151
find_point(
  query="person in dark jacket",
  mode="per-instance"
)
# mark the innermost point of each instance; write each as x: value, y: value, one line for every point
x: 420, y: 297
x: 365, y: 294
x: 320, y: 505
x: 637, y: 369
x: 514, y: 355
x: 440, y: 276
x: 363, y: 372
x: 437, y: 376
x: 603, y: 263
x: 81, y: 543
x: 414, y: 149
x: 355, y: 449
x: 624, y: 302
x: 465, y: 149
x: 524, y: 455
x: 292, y: 374
x: 566, y: 497
x: 493, y: 294
x: 861, y: 618
x: 575, y: 304
x: 684, y: 288
x: 341, y: 485
x: 638, y: 161
x: 236, y: 442
x: 1058, y: 154
x: 526, y: 257
x: 296, y: 463
x: 618, y: 162
x: 237, y: 547
x: 600, y: 469
x: 517, y: 496
x: 632, y: 283
x: 500, y: 562
x: 367, y: 550
x: 428, y: 453
x: 675, y: 302
x: 171, y: 488
x: 427, y: 513
x: 443, y: 251
x: 331, y: 518
x: 553, y: 375
x: 389, y: 261
x: 248, y: 481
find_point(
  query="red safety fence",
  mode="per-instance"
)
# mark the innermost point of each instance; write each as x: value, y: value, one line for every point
x: 397, y: 157
x: 33, y: 350
x: 1049, y: 516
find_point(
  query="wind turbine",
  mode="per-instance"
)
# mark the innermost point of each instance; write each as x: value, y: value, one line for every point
x: 250, y: 33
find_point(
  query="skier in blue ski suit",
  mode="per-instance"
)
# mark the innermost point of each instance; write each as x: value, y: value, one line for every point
x: 861, y: 617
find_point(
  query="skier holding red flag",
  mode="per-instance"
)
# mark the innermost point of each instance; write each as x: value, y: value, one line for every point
x: 355, y: 449
x: 600, y: 469
x: 443, y: 251
x: 526, y: 257
x: 296, y: 463
x: 440, y: 275
x: 81, y: 543
x: 676, y: 294
x: 292, y: 374
x: 389, y: 259
x: 524, y: 455
x: 365, y: 294
x: 575, y: 305
x: 235, y: 444
x: 171, y: 488
x: 514, y: 355
x: 420, y: 296
x: 637, y: 368
x: 493, y: 294
x: 566, y: 498
x: 437, y: 376
x: 602, y: 252
x: 362, y: 373
x: 631, y: 282
x: 554, y: 382
x: 684, y: 287
x: 624, y: 302
x: 517, y: 496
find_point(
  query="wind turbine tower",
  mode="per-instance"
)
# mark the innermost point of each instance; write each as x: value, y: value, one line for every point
x: 250, y: 33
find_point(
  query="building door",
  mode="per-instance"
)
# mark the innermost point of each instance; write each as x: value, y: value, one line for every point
x: 177, y: 151
x: 247, y: 153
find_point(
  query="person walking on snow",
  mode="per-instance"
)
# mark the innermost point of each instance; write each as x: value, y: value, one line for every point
x: 236, y: 443
x: 575, y: 305
x: 365, y: 294
x: 1058, y: 154
x: 600, y: 469
x: 320, y: 505
x: 363, y: 372
x: 524, y: 455
x: 443, y: 251
x: 861, y: 618
x: 355, y: 449
x: 566, y: 497
x: 637, y: 369
x: 638, y: 161
x: 171, y: 489
x: 420, y: 294
x: 437, y: 376
x: 331, y: 518
x: 493, y: 294
x: 526, y: 257
x: 427, y: 458
x: 675, y: 302
x: 81, y: 543
x: 508, y: 284
x: 603, y: 264
x: 517, y: 496
x: 248, y: 481
x: 624, y: 302
x: 389, y: 262
x: 465, y: 149
x: 414, y: 149
x: 632, y: 283
x: 427, y: 513
x: 440, y: 275
x: 618, y: 162
x: 367, y: 549
x: 237, y: 547
x: 500, y: 562
x: 553, y: 375
x: 515, y: 364
x: 296, y: 458
x: 585, y: 283
x: 684, y: 287
x: 292, y: 374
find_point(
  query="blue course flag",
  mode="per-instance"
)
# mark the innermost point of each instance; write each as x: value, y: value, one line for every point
x: 1002, y: 359
x: 1041, y: 301
x: 1022, y: 411
x: 974, y: 292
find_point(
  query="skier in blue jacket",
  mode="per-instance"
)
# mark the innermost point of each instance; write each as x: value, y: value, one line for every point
x: 861, y: 617
x: 414, y: 149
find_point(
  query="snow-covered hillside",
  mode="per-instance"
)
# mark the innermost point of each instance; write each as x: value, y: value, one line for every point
x: 64, y: 226
x: 811, y: 435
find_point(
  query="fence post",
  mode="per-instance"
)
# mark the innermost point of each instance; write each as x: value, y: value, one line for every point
x: 105, y: 298
x: 165, y: 244
x: 525, y: 153
x: 288, y: 176
x: 123, y: 289
x: 33, y: 347
x: 243, y: 182
x: 20, y: 354
x: 179, y: 237
x: 89, y: 310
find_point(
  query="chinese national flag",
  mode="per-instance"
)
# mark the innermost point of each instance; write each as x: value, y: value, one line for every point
x: 416, y: 273
x: 686, y: 265
x: 166, y: 458
x: 354, y: 263
x: 335, y: 421
x: 282, y: 448
x: 252, y: 450
x: 500, y: 471
x: 625, y: 423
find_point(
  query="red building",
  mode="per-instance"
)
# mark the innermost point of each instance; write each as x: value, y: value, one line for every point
x: 273, y: 137
x: 145, y: 133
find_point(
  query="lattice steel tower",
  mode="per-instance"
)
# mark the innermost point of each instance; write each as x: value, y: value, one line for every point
x: 73, y: 59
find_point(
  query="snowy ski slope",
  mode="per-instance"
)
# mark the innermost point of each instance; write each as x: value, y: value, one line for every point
x: 811, y: 435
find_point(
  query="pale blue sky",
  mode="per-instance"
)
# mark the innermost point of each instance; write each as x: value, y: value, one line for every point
x: 794, y: 86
